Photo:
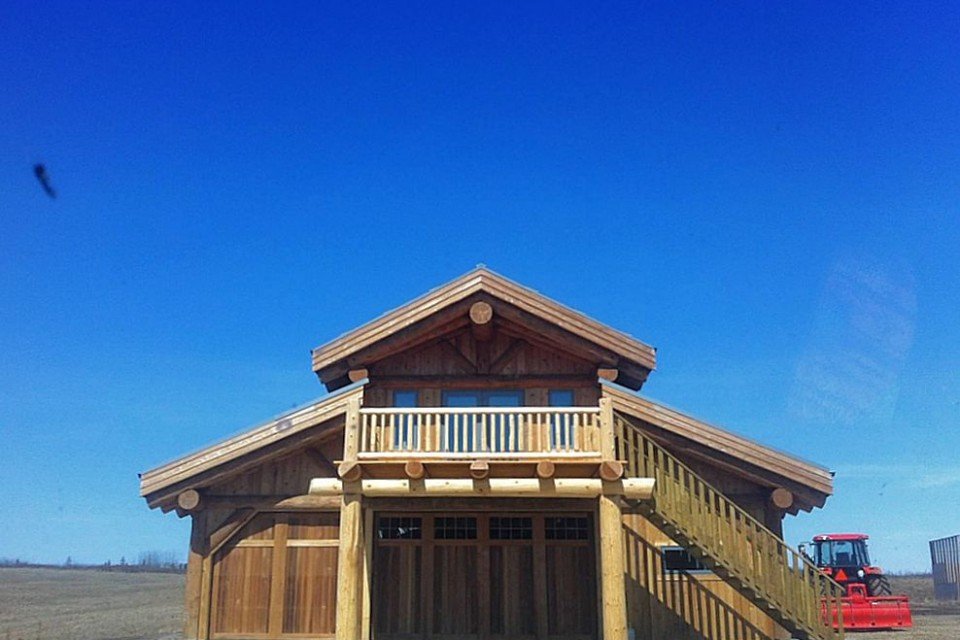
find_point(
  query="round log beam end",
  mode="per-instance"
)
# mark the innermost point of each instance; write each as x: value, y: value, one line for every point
x: 546, y: 469
x: 414, y: 469
x: 781, y: 498
x: 479, y: 470
x: 189, y: 500
x: 611, y: 470
x: 481, y: 313
x: 349, y: 471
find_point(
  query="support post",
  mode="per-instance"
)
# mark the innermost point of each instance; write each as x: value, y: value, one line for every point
x: 350, y: 575
x: 612, y: 584
x: 350, y: 578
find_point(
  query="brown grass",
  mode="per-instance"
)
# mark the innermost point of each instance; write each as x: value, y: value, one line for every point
x: 59, y: 604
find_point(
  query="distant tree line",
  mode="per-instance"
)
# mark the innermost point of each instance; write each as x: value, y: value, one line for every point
x: 148, y: 561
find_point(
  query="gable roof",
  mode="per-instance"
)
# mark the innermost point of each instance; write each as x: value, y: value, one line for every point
x: 246, y: 449
x: 810, y: 483
x: 331, y: 360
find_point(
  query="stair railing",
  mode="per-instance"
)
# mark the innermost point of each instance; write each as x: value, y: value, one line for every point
x: 735, y: 541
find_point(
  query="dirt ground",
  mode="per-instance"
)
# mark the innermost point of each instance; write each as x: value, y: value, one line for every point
x: 931, y: 620
x: 55, y: 604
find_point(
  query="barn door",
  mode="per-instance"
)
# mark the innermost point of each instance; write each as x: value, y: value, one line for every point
x: 484, y: 576
x: 278, y: 578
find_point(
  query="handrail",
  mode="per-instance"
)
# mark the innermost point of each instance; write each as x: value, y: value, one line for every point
x: 759, y: 559
x: 495, y: 432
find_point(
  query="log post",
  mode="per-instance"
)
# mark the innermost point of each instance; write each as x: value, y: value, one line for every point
x: 194, y: 580
x: 608, y: 449
x: 612, y: 584
x: 350, y: 574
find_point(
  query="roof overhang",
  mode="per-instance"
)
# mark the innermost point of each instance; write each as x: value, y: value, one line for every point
x: 685, y: 435
x: 270, y: 439
x: 440, y: 308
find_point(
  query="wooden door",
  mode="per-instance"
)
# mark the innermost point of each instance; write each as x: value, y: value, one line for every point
x: 512, y: 576
x: 278, y: 578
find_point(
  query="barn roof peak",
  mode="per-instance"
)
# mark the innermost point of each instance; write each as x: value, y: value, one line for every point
x: 393, y: 330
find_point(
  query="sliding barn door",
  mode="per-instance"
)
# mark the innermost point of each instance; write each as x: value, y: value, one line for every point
x: 484, y: 577
x: 278, y: 578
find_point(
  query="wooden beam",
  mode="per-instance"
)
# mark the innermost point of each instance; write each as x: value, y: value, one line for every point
x: 321, y: 461
x: 509, y: 354
x: 481, y: 317
x: 415, y: 469
x: 546, y: 469
x: 606, y: 373
x: 456, y: 357
x: 781, y: 498
x: 479, y: 469
x: 189, y: 500
x: 350, y: 471
x: 631, y: 488
x: 610, y: 470
x: 612, y: 584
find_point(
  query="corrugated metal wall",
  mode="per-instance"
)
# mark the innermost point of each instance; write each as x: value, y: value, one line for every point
x: 945, y: 558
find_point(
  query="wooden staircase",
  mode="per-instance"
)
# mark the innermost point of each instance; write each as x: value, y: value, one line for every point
x: 735, y: 546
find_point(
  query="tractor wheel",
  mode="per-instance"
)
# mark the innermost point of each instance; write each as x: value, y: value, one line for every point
x: 878, y: 585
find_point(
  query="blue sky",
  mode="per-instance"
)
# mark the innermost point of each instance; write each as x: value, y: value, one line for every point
x: 768, y: 194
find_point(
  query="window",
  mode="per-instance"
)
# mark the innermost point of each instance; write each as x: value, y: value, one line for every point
x: 458, y: 528
x: 511, y: 528
x: 559, y: 431
x: 393, y: 528
x: 560, y: 397
x: 405, y: 399
x: 405, y: 429
x: 460, y: 428
x: 567, y: 528
x: 679, y: 559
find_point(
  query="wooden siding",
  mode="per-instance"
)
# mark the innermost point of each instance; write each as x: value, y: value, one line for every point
x: 945, y: 561
x: 277, y: 578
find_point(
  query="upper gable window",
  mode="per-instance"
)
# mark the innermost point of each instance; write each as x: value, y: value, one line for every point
x: 483, y: 398
x: 561, y: 397
x: 405, y: 399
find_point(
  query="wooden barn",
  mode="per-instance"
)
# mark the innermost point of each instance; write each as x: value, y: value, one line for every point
x: 945, y: 559
x: 484, y: 468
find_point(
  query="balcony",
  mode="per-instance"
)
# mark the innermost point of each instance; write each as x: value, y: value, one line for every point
x: 495, y: 433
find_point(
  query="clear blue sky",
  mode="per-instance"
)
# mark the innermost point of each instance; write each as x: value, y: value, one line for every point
x: 767, y: 194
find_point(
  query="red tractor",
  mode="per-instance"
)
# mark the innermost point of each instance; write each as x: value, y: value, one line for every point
x: 868, y: 603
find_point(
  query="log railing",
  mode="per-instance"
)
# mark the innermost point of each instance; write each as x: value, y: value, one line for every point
x: 736, y: 545
x: 495, y: 432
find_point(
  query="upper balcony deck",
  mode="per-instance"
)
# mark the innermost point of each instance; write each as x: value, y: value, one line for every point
x: 496, y: 433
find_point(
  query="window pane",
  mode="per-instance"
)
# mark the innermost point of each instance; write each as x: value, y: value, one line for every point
x: 404, y: 399
x: 503, y: 398
x: 561, y: 397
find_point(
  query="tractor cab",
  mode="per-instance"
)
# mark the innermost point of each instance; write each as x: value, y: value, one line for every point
x: 844, y: 557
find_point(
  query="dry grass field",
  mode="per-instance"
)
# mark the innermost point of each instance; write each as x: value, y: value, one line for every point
x: 60, y: 604
x: 54, y: 604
